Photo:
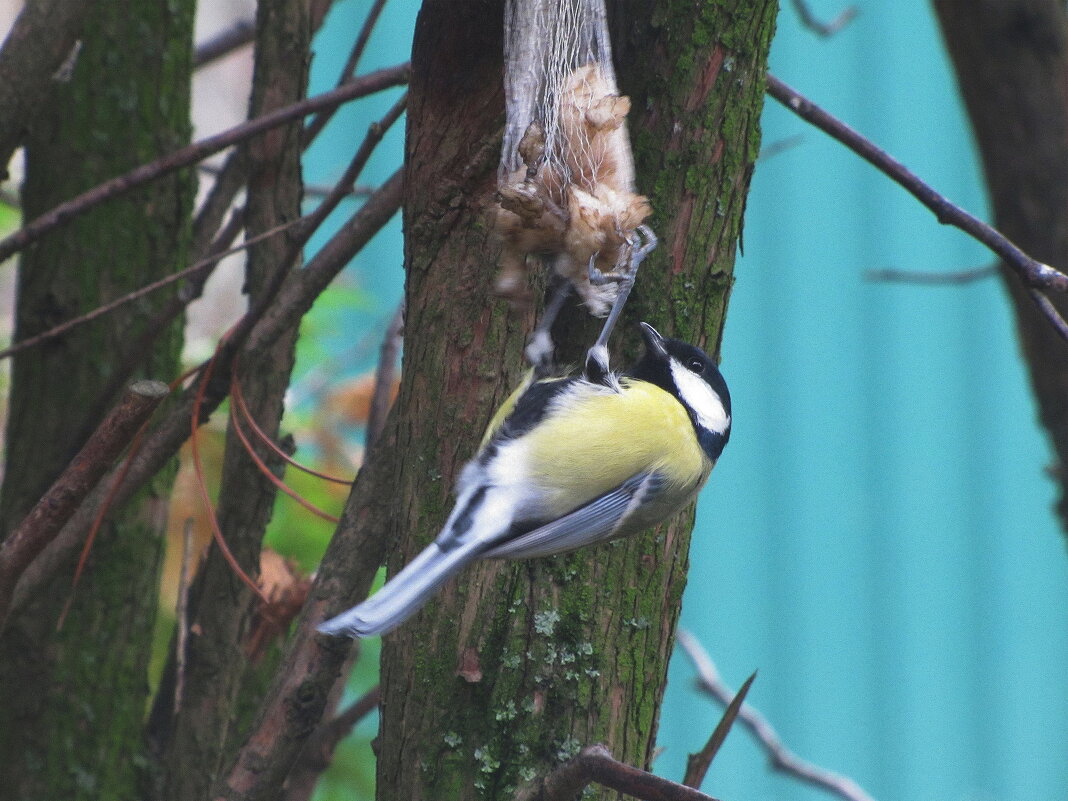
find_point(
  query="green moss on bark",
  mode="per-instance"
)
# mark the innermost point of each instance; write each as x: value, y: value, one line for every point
x: 72, y: 703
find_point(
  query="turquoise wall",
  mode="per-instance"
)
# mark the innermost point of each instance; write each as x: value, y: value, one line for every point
x: 878, y: 537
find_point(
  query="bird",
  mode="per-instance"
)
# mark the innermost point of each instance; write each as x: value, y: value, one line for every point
x: 570, y: 461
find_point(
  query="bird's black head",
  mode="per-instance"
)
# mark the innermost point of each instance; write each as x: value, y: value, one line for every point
x: 692, y: 377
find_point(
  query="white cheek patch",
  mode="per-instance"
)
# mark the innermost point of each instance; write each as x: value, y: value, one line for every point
x: 699, y: 396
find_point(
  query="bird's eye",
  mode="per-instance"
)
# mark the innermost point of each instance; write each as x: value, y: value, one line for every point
x: 695, y: 366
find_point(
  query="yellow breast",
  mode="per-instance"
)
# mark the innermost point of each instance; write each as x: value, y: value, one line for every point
x: 603, y: 437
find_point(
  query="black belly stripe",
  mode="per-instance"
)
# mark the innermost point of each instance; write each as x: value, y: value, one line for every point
x: 451, y: 538
x: 712, y: 443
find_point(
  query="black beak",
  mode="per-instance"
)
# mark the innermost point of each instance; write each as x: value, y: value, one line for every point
x: 653, y: 341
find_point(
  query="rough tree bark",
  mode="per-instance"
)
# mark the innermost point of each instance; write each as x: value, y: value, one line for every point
x: 514, y: 667
x: 36, y: 52
x: 72, y: 702
x: 1011, y: 60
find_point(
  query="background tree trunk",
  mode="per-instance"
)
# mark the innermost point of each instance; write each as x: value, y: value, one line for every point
x: 72, y: 702
x: 514, y: 667
x: 219, y: 667
x: 1011, y: 60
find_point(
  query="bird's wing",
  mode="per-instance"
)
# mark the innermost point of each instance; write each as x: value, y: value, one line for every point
x: 598, y: 520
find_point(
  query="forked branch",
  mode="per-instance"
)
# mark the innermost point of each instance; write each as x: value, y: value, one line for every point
x: 779, y: 755
x: 1038, y: 277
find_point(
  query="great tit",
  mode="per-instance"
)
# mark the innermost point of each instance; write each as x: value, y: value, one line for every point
x: 568, y: 462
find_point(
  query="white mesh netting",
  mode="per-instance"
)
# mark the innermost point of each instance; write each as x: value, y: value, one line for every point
x: 566, y: 178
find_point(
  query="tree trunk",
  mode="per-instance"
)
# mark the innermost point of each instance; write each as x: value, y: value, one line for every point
x: 1011, y: 59
x: 72, y: 702
x: 218, y: 665
x: 514, y: 667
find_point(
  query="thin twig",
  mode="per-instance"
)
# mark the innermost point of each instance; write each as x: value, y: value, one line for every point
x: 230, y: 179
x: 265, y: 470
x: 233, y: 174
x: 348, y: 72
x: 223, y: 246
x: 780, y: 757
x: 99, y: 311
x: 198, y: 151
x: 1050, y: 312
x: 369, y: 22
x: 85, y: 471
x: 698, y: 764
x: 931, y: 278
x: 181, y: 624
x: 1033, y: 273
x: 824, y: 29
x: 341, y: 726
x: 246, y: 413
x: 310, y: 190
x: 238, y: 35
x: 347, y: 181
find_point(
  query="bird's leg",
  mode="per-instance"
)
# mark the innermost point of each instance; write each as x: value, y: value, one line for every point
x: 539, y: 349
x: 597, y: 356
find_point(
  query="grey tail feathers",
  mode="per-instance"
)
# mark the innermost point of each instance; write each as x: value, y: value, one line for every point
x: 404, y: 594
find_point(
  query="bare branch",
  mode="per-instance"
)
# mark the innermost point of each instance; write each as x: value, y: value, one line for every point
x: 319, y: 750
x: 193, y: 271
x: 298, y: 295
x: 348, y: 72
x: 824, y: 29
x: 369, y: 22
x: 1033, y: 273
x: 596, y: 764
x: 58, y: 505
x: 318, y: 753
x: 195, y: 152
x: 698, y: 764
x: 310, y: 190
x: 225, y: 42
x: 931, y: 278
x: 163, y: 441
x: 781, y: 758
x: 230, y: 178
x: 347, y: 181
x: 1049, y: 311
x: 242, y: 33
